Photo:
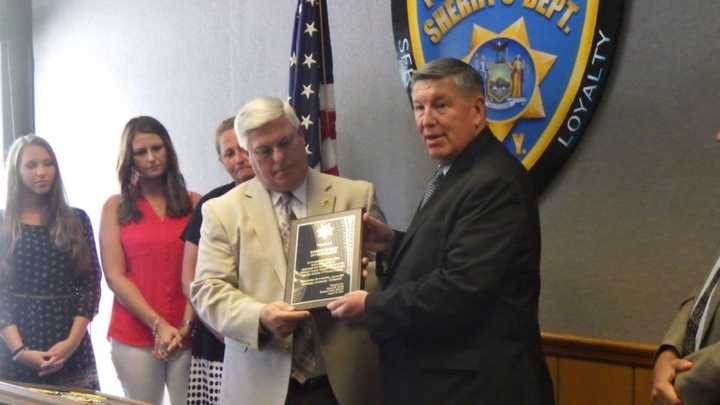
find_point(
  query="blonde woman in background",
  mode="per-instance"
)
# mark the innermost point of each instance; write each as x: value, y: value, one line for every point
x: 49, y: 275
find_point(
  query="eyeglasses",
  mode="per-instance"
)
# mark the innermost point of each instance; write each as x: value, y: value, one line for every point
x: 265, y: 152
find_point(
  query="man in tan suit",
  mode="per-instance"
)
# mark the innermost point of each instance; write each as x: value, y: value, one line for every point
x: 687, y: 367
x: 241, y: 270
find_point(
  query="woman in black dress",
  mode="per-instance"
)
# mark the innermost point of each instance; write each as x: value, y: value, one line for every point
x: 49, y: 275
x: 208, y: 348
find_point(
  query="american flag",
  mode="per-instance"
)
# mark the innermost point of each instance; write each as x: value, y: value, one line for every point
x: 311, y: 83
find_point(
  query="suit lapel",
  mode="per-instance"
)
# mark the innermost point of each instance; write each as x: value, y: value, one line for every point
x: 320, y: 195
x: 712, y: 307
x: 463, y: 163
x: 415, y: 223
x: 421, y: 215
x: 264, y: 224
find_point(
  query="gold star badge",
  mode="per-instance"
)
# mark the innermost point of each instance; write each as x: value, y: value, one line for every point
x: 542, y: 61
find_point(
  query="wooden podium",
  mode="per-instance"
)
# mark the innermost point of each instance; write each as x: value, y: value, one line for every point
x: 12, y: 393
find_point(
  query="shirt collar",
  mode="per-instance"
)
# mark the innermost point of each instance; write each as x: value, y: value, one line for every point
x: 299, y: 194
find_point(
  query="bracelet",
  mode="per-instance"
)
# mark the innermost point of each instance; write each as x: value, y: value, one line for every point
x: 16, y: 354
x: 155, y: 324
x: 187, y: 322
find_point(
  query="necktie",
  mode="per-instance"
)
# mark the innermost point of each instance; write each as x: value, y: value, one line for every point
x: 304, y: 360
x: 693, y: 323
x: 432, y: 186
x: 285, y: 216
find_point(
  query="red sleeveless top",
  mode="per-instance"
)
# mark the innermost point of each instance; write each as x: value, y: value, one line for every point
x: 153, y: 258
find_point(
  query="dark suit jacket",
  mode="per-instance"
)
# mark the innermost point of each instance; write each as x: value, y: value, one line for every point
x: 457, y: 318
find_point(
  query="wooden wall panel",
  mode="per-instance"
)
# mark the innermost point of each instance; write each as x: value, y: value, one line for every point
x: 585, y: 382
x: 552, y: 363
x: 588, y: 371
x: 609, y: 351
x: 643, y: 385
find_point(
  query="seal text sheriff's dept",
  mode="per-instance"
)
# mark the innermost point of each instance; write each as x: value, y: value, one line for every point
x: 451, y: 12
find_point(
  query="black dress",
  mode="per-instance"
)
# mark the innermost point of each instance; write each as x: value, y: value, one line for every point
x: 208, y: 351
x: 41, y: 296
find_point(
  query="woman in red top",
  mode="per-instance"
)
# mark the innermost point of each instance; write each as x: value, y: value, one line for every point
x: 141, y: 254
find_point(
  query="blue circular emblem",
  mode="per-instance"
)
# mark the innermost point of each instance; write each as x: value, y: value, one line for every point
x: 545, y: 64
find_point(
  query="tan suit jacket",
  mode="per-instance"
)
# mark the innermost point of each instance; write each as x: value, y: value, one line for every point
x: 241, y: 267
x: 700, y: 384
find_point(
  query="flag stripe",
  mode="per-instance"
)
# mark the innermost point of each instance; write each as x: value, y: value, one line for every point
x: 311, y: 83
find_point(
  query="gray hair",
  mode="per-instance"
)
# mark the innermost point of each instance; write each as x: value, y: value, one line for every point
x: 466, y: 77
x: 259, y: 112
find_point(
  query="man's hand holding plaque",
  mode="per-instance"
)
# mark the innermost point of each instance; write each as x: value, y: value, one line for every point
x: 281, y: 319
x: 378, y: 237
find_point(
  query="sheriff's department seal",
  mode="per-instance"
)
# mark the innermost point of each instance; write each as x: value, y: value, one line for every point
x: 544, y: 63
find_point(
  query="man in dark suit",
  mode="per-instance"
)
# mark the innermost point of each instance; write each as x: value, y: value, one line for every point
x: 457, y: 319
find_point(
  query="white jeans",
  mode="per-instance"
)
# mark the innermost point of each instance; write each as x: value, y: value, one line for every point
x: 143, y: 377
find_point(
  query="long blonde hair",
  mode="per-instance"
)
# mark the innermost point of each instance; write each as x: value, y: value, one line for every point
x: 67, y: 232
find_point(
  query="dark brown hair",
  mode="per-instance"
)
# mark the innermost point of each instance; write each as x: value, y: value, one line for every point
x: 178, y: 200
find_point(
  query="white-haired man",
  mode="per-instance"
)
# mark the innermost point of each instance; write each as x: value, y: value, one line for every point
x: 241, y: 271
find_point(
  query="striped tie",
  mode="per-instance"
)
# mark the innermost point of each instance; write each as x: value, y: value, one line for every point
x: 693, y: 323
x: 432, y: 186
x: 304, y: 358
x: 285, y: 216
